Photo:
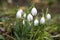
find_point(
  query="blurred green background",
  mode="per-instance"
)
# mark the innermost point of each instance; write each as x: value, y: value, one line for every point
x: 9, y: 8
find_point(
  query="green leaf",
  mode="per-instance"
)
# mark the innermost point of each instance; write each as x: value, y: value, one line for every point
x: 1, y: 37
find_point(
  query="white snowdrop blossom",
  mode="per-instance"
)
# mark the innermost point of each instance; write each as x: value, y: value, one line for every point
x: 48, y: 16
x: 24, y: 15
x: 19, y: 13
x: 42, y: 20
x: 29, y: 17
x: 23, y: 22
x: 36, y: 22
x: 34, y: 11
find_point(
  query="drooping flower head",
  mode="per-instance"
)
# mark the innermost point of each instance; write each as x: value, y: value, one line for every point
x: 24, y: 15
x: 23, y: 22
x: 19, y: 13
x: 29, y: 17
x: 36, y: 22
x: 34, y: 11
x: 42, y: 20
x: 48, y: 16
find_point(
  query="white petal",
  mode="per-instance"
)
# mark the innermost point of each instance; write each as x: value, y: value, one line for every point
x: 24, y: 15
x: 36, y: 22
x: 42, y: 20
x: 34, y: 11
x: 29, y: 17
x: 23, y: 22
x: 48, y: 16
x: 19, y: 13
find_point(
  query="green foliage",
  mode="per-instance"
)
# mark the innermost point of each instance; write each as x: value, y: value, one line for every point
x: 2, y: 37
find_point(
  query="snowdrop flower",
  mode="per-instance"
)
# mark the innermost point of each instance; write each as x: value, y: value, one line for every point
x: 24, y: 15
x: 19, y: 13
x: 42, y: 20
x: 34, y: 11
x: 29, y: 17
x: 23, y: 22
x: 36, y: 22
x: 48, y: 16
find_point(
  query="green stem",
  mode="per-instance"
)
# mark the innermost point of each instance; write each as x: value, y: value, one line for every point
x: 42, y: 32
x: 36, y: 33
x: 42, y: 13
x: 46, y: 11
x: 32, y: 34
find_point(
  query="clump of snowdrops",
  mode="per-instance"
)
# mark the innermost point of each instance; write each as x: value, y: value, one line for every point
x: 30, y: 26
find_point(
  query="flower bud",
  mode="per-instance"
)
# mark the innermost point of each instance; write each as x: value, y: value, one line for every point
x: 48, y: 16
x: 24, y: 15
x: 29, y: 17
x: 23, y: 22
x: 34, y: 11
x: 36, y: 22
x: 42, y: 20
x: 19, y: 13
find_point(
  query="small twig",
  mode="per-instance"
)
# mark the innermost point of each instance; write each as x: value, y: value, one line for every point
x: 58, y: 35
x: 9, y: 36
x: 1, y: 22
